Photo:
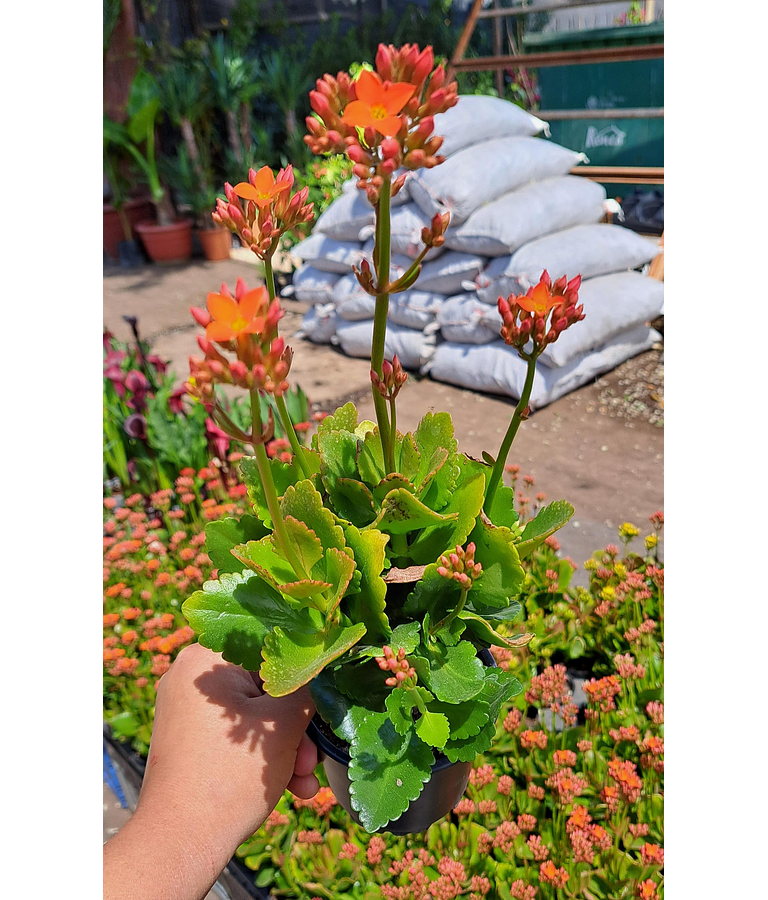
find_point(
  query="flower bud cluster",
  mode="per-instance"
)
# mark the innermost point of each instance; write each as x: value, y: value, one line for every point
x: 391, y: 380
x: 380, y: 124
x: 434, y: 236
x: 245, y: 325
x: 260, y: 216
x: 542, y: 314
x: 404, y: 675
x: 461, y: 566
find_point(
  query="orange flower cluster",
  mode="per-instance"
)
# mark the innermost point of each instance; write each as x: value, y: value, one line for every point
x: 245, y: 324
x: 383, y: 120
x: 624, y: 773
x: 268, y: 210
x: 542, y: 314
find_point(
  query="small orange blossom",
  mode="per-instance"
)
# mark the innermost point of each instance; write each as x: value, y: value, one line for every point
x: 264, y: 188
x: 378, y: 103
x: 539, y: 300
x: 232, y: 318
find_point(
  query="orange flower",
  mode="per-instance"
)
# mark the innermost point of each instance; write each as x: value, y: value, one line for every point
x: 539, y: 300
x: 378, y: 104
x: 264, y: 188
x: 232, y: 318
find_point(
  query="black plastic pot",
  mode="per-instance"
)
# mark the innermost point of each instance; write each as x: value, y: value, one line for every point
x: 131, y: 254
x: 438, y: 797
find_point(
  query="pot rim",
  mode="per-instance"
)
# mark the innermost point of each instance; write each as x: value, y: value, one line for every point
x: 150, y: 226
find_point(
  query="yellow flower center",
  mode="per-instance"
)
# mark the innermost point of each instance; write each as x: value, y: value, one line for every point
x: 378, y: 111
x: 239, y: 324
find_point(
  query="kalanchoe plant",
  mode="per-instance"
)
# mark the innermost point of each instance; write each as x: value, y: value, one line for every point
x: 377, y: 564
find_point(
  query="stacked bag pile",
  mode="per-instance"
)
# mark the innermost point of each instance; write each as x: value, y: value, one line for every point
x: 515, y: 211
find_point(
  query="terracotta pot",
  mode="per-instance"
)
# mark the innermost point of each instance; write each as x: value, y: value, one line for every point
x: 135, y: 210
x: 166, y: 243
x: 437, y: 798
x: 215, y: 242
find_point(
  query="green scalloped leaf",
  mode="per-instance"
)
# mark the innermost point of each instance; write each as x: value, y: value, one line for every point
x: 392, y: 481
x: 338, y: 455
x: 387, y: 771
x: 503, y: 512
x: 433, y: 594
x: 433, y: 431
x: 339, y: 568
x: 304, y: 589
x: 433, y: 729
x: 453, y: 674
x: 224, y: 534
x: 341, y: 713
x: 464, y: 505
x: 263, y: 558
x: 482, y: 629
x: 291, y: 659
x: 343, y: 419
x: 465, y: 719
x: 499, y: 687
x: 353, y: 501
x: 546, y: 522
x: 369, y: 604
x: 407, y: 456
x: 305, y: 544
x: 503, y: 575
x: 283, y: 474
x: 402, y: 513
x: 400, y: 705
x: 234, y: 614
x: 370, y: 458
x: 304, y: 502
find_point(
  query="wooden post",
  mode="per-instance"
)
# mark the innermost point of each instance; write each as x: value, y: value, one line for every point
x: 466, y: 34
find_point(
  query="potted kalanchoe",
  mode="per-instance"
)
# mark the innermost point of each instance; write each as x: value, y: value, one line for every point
x: 377, y: 567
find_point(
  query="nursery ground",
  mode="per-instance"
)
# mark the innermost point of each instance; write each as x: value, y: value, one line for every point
x: 601, y: 447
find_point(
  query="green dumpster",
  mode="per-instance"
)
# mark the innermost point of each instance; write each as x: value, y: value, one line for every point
x: 615, y: 140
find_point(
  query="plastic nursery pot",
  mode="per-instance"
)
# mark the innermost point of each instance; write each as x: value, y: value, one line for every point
x: 438, y: 797
x: 216, y: 242
x: 166, y: 243
x: 130, y: 254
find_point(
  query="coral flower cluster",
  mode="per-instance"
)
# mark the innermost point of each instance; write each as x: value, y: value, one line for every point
x: 460, y: 566
x: 259, y: 211
x: 403, y: 674
x: 245, y: 324
x: 384, y: 120
x: 540, y: 315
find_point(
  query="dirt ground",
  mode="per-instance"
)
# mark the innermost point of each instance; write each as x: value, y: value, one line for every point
x: 600, y: 447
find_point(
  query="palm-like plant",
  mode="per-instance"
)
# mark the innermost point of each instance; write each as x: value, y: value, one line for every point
x: 286, y: 82
x: 233, y: 81
x: 184, y: 98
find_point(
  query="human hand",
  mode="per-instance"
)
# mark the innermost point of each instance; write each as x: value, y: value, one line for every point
x: 221, y: 755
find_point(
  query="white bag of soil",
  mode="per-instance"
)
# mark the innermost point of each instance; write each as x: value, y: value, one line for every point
x: 500, y: 227
x: 344, y: 218
x: 483, y: 172
x: 318, y: 324
x: 328, y: 254
x: 478, y: 118
x: 497, y: 369
x: 446, y: 274
x: 589, y: 250
x: 415, y: 309
x: 413, y: 348
x: 310, y: 285
x: 464, y: 320
x: 406, y: 224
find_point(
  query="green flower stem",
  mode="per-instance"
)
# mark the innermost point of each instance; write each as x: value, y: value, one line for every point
x: 285, y: 419
x: 293, y: 439
x: 517, y: 418
x: 269, y: 274
x: 382, y: 263
x: 392, y: 433
x: 410, y: 272
x: 446, y: 622
x: 262, y: 463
